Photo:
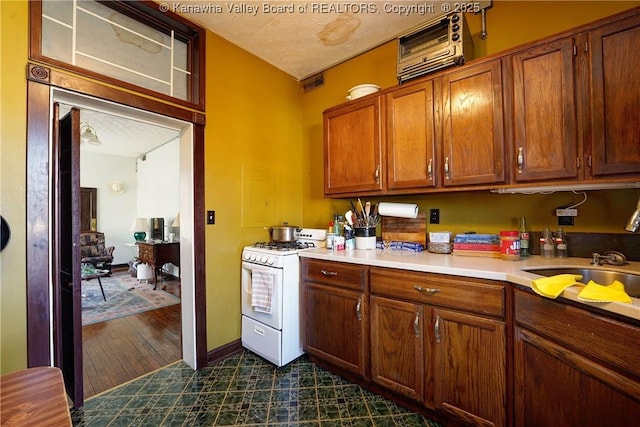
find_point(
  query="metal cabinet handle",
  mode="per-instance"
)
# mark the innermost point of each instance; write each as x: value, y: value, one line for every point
x: 329, y: 273
x: 436, y: 329
x: 520, y: 159
x: 416, y: 324
x: 426, y: 290
x: 430, y: 170
x: 358, y: 306
x: 377, y: 174
x: 446, y: 168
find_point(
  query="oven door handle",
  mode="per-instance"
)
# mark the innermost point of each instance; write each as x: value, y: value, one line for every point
x: 251, y: 268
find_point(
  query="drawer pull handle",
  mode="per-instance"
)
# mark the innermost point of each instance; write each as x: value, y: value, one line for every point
x: 358, y: 306
x: 416, y: 324
x: 426, y: 290
x: 329, y: 273
x: 437, y: 329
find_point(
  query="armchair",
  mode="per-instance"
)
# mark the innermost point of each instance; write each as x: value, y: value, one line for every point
x: 94, y: 251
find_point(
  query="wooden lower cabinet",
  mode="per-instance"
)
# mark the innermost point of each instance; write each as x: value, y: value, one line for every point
x: 572, y: 367
x: 442, y: 344
x: 470, y: 368
x: 336, y: 314
x: 398, y: 348
x: 450, y: 359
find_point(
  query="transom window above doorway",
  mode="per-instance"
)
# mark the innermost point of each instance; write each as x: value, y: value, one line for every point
x: 131, y: 42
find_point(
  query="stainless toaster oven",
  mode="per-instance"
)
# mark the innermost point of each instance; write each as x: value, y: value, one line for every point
x: 436, y: 44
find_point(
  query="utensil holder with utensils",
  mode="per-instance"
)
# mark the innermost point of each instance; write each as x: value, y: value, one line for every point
x: 365, y: 237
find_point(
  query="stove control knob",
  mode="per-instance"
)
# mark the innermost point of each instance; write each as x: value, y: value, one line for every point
x: 247, y: 256
x: 253, y: 257
x: 263, y: 259
x: 271, y: 260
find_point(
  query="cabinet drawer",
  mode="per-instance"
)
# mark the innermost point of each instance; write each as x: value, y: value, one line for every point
x: 145, y: 253
x: 587, y: 333
x: 349, y: 276
x: 469, y: 294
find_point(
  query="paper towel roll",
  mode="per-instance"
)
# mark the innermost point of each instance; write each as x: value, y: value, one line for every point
x: 400, y: 210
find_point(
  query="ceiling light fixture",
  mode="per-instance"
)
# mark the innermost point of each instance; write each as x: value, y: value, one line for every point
x: 88, y: 134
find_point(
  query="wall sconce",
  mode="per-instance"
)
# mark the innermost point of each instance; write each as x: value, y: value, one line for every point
x: 176, y: 222
x: 88, y: 134
x: 117, y: 187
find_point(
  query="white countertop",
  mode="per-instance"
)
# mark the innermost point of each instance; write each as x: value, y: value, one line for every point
x: 484, y: 268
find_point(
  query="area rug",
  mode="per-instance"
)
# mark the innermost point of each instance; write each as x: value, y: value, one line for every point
x: 125, y: 296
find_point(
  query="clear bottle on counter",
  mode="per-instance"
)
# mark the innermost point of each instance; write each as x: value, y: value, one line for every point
x: 547, y: 245
x: 561, y: 244
x: 524, y: 238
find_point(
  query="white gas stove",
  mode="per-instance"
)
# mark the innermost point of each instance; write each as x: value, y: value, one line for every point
x: 270, y: 294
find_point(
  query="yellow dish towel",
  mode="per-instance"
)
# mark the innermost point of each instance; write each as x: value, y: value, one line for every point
x: 552, y: 287
x: 595, y: 292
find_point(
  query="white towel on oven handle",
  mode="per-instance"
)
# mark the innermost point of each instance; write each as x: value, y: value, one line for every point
x: 261, y: 290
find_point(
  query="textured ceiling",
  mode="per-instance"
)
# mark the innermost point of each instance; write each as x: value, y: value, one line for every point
x: 303, y: 38
x: 120, y: 135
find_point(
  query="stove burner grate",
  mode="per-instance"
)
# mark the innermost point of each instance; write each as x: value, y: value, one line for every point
x: 284, y: 246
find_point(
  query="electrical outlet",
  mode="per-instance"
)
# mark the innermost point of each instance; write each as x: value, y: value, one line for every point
x: 434, y: 216
x: 566, y: 212
x: 211, y: 217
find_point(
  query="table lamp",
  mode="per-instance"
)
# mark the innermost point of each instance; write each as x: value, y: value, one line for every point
x: 139, y: 228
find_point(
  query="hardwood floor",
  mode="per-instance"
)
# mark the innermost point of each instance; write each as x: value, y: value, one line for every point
x: 120, y: 350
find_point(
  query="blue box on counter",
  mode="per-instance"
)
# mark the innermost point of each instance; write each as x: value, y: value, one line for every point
x: 487, y: 239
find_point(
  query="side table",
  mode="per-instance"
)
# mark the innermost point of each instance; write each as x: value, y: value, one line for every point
x: 157, y: 254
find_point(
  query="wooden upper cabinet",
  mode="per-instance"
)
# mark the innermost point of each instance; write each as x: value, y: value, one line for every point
x: 412, y: 135
x: 544, y: 138
x: 615, y: 99
x: 473, y: 138
x: 353, y: 147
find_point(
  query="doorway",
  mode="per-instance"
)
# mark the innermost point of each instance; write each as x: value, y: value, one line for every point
x: 44, y: 85
x: 183, y: 134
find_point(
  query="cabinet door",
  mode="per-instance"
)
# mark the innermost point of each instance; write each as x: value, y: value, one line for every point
x: 397, y: 346
x: 544, y: 136
x: 473, y: 135
x: 554, y: 386
x: 412, y: 133
x: 336, y: 326
x: 353, y: 147
x: 470, y: 367
x: 615, y: 105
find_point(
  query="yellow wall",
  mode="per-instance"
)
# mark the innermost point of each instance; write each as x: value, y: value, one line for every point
x: 253, y: 131
x: 509, y: 24
x: 13, y: 104
x: 260, y: 127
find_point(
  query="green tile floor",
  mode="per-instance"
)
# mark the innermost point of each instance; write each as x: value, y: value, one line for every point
x: 243, y: 390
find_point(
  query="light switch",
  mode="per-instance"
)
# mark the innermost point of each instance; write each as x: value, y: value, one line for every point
x: 211, y: 217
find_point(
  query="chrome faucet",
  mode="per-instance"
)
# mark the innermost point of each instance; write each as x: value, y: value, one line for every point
x: 610, y: 257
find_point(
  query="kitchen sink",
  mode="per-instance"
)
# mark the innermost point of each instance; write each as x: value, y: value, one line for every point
x: 630, y: 281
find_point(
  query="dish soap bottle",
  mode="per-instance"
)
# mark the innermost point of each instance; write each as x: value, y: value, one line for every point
x: 524, y: 238
x: 561, y: 244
